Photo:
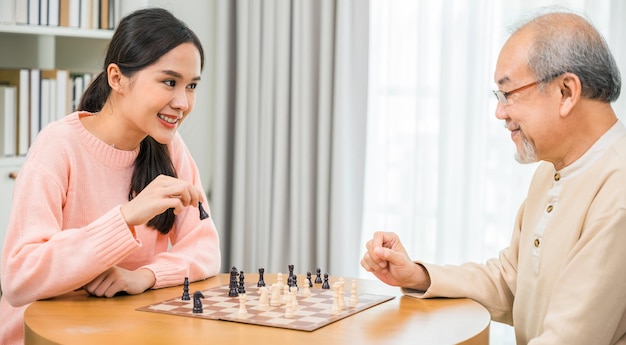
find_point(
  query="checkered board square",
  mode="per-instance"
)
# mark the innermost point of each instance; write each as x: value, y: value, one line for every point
x: 312, y: 312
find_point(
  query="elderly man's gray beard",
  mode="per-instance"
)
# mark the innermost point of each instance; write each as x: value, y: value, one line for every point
x: 527, y: 154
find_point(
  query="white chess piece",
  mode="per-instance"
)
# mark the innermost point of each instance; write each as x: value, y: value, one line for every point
x: 293, y: 295
x: 263, y: 299
x: 275, y: 298
x: 341, y: 295
x: 290, y: 307
x: 306, y: 291
x: 243, y: 312
x: 336, y: 309
x: 285, y: 294
x: 354, y: 297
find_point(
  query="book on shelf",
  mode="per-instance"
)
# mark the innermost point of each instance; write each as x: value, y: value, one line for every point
x: 20, y: 78
x: 7, y: 12
x: 43, y: 12
x: 62, y: 97
x: 21, y: 12
x: 8, y: 120
x: 53, y: 12
x: 35, y: 104
x: 42, y: 96
x: 79, y: 85
x: 33, y: 12
x: 84, y: 14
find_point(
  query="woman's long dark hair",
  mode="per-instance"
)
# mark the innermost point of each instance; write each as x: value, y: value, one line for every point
x: 140, y: 39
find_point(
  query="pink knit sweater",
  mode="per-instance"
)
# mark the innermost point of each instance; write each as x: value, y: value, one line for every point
x: 66, y: 226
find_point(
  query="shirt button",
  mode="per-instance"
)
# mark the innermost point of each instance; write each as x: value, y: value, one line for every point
x: 557, y: 176
x: 549, y: 208
x: 537, y: 242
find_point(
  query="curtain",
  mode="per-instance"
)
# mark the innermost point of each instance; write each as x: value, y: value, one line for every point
x: 290, y: 109
x: 440, y: 170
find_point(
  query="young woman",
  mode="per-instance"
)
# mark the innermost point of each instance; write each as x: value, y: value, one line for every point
x: 107, y: 199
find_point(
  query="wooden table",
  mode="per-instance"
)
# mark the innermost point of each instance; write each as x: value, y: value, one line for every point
x: 77, y: 318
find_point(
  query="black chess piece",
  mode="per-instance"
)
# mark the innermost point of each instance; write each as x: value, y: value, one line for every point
x: 185, y: 296
x: 242, y: 287
x: 233, y: 286
x: 290, y: 281
x: 290, y: 270
x: 261, y: 279
x: 203, y: 213
x: 197, y: 302
x: 308, y: 278
x: 318, y: 276
x: 325, y: 285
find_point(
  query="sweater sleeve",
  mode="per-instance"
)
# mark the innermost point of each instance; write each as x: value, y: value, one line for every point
x: 195, y: 251
x: 41, y: 260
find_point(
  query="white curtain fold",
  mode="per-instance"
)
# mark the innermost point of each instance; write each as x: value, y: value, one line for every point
x: 290, y: 116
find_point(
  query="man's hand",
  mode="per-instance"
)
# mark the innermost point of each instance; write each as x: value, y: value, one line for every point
x: 387, y: 259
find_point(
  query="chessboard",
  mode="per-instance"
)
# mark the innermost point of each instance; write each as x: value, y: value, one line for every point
x: 311, y: 313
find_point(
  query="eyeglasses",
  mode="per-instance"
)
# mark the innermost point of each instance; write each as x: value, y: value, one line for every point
x: 503, y: 96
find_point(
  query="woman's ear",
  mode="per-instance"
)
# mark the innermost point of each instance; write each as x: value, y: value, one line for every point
x: 571, y: 90
x: 115, y: 77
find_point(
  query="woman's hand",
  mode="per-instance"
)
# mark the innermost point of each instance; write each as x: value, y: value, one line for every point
x: 163, y: 193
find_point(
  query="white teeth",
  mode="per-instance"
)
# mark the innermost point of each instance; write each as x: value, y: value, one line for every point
x: 167, y: 118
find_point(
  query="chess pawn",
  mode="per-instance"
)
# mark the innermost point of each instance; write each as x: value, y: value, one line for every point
x: 263, y: 299
x: 290, y: 307
x: 275, y: 298
x: 285, y: 294
x: 318, y: 276
x: 354, y: 299
x: 293, y: 296
x: 243, y: 312
x: 289, y: 312
x: 306, y: 292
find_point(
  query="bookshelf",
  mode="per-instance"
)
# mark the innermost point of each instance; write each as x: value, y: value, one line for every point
x: 44, y: 47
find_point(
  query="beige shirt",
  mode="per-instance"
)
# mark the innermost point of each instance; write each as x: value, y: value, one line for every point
x: 562, y: 280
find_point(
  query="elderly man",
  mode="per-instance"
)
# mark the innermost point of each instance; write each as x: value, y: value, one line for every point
x: 562, y: 280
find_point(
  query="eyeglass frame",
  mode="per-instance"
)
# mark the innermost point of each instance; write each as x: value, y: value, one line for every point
x: 503, y: 97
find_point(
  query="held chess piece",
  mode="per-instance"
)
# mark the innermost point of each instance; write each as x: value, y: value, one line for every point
x: 203, y: 213
x: 318, y: 276
x: 197, y: 302
x: 185, y: 296
x: 261, y: 279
